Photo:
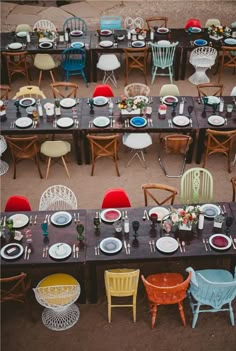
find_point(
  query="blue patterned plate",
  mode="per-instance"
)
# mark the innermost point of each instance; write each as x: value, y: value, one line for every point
x: 200, y: 42
x: 138, y: 122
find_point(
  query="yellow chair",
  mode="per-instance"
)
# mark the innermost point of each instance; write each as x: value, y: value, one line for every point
x: 23, y: 28
x: 58, y: 292
x: 31, y: 91
x: 121, y: 283
x: 45, y: 62
x: 55, y: 149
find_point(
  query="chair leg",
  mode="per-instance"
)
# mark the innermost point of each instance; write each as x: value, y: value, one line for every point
x: 154, y: 314
x: 181, y: 311
x: 93, y: 165
x: 52, y: 76
x: 134, y: 309
x: 195, y: 315
x: 48, y: 166
x: 38, y: 166
x: 64, y: 163
x: 109, y: 308
x: 14, y: 172
x: 40, y: 77
x: 117, y: 170
x: 231, y: 314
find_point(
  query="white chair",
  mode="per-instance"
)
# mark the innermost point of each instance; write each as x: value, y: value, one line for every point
x: 233, y: 92
x: 23, y: 28
x: 58, y: 197
x: 132, y: 23
x: 45, y: 24
x: 137, y: 142
x: 169, y: 89
x: 57, y: 293
x: 108, y: 63
x: 212, y: 21
x: 202, y: 58
x: 3, y: 165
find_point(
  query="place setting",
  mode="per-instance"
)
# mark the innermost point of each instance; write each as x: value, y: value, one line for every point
x: 60, y: 251
x: 61, y: 218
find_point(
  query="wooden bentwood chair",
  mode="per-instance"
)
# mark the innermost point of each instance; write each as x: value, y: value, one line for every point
x: 210, y: 89
x: 233, y: 181
x: 136, y: 59
x: 228, y: 59
x: 168, y: 191
x: 104, y: 146
x: 64, y: 90
x: 16, y: 63
x: 153, y: 22
x: 166, y: 289
x: 4, y: 92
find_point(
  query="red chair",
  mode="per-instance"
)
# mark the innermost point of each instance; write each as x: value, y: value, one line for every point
x: 193, y: 22
x: 115, y: 198
x: 17, y: 203
x: 103, y: 90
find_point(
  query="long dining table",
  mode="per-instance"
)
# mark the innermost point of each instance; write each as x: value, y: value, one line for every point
x: 85, y: 263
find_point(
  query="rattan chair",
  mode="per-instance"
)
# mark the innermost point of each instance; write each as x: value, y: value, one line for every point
x: 121, y: 283
x: 135, y: 59
x: 58, y: 197
x: 44, y: 24
x: 64, y: 90
x: 136, y: 89
x: 202, y: 58
x: 166, y: 193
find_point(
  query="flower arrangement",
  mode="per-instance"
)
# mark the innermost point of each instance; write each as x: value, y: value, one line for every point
x: 182, y: 218
x: 141, y: 31
x: 132, y: 103
x: 45, y: 33
x: 219, y: 31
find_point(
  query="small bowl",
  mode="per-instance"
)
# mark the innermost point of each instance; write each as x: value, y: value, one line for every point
x: 30, y: 110
x: 121, y: 37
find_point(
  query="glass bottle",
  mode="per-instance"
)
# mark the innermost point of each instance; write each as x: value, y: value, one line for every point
x: 57, y: 108
x: 40, y: 109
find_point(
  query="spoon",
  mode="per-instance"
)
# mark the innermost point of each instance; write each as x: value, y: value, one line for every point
x: 29, y: 252
x: 77, y: 251
x: 183, y: 245
x: 144, y: 215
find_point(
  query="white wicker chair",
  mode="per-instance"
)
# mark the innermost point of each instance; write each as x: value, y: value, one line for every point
x: 58, y: 197
x: 3, y: 165
x: 45, y: 24
x: 135, y: 89
x: 60, y: 313
x: 202, y: 58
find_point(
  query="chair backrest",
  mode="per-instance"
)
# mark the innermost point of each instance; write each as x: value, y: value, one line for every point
x: 169, y: 89
x: 155, y: 22
x: 4, y: 91
x: 121, y: 282
x: 31, y: 91
x: 207, y: 52
x: 136, y: 59
x: 209, y: 89
x: 14, y: 288
x: 177, y: 143
x: 58, y: 197
x: 233, y: 181
x: 44, y: 25
x: 75, y: 23
x: 193, y: 22
x: 103, y: 90
x: 196, y: 186
x: 103, y: 145
x: 163, y: 54
x: 74, y: 57
x: 212, y: 21
x: 212, y: 293
x: 135, y: 89
x: 111, y: 22
x: 168, y: 294
x: 166, y: 193
x: 228, y: 58
x: 132, y: 23
x: 115, y: 198
x: 23, y: 28
x: 17, y: 203
x: 64, y: 89
x: 23, y: 147
x: 233, y: 92
x: 16, y: 62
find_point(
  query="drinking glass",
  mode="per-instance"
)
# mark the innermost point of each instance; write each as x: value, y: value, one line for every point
x: 96, y: 222
x: 118, y: 226
x: 228, y: 223
x: 190, y: 110
x: 80, y: 231
x: 153, y: 218
x: 135, y: 226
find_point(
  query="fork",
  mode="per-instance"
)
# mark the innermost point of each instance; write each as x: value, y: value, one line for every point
x: 150, y: 244
x: 204, y: 242
x: 46, y: 217
x: 209, y: 246
x: 77, y: 251
x: 46, y: 251
x: 153, y: 245
x: 29, y: 252
x: 128, y: 249
x: 30, y: 222
x: 183, y: 245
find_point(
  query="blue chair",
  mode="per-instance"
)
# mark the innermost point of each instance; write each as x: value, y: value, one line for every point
x: 110, y: 22
x: 75, y: 23
x: 163, y: 58
x: 73, y: 63
x: 212, y: 287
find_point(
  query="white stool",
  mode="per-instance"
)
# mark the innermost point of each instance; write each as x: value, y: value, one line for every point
x: 137, y: 142
x: 3, y: 165
x: 108, y: 63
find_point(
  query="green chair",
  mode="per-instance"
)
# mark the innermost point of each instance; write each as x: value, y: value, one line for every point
x: 163, y: 58
x: 214, y: 288
x: 196, y: 186
x: 75, y: 23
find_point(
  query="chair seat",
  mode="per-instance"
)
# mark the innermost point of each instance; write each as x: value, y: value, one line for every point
x: 45, y: 62
x: 216, y: 275
x: 108, y: 62
x: 202, y: 61
x: 56, y: 148
x: 72, y: 66
x: 137, y: 140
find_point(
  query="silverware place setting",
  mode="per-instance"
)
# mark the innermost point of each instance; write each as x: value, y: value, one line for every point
x: 180, y: 247
x: 97, y: 250
x: 28, y: 253
x: 35, y: 220
x: 205, y: 244
x: 25, y: 252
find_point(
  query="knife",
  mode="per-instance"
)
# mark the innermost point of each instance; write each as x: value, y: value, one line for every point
x: 125, y: 246
x: 26, y: 248
x: 74, y: 250
x: 234, y: 246
x: 180, y: 247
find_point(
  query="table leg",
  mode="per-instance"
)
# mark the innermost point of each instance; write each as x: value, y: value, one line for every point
x: 94, y: 59
x: 177, y: 62
x: 77, y: 146
x: 200, y: 145
x: 189, y: 155
x: 92, y: 282
x: 86, y: 147
x: 184, y: 63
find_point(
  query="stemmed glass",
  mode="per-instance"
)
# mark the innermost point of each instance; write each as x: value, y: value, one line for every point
x: 91, y: 103
x: 135, y: 226
x: 173, y: 113
x: 153, y: 217
x: 80, y: 230
x: 228, y: 223
x: 205, y: 100
x: 214, y: 107
x: 17, y: 104
x: 190, y: 110
x: 96, y: 222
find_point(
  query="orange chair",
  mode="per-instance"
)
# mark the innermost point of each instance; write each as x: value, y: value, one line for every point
x: 103, y: 90
x: 166, y: 289
x: 17, y: 203
x: 193, y: 22
x: 115, y: 198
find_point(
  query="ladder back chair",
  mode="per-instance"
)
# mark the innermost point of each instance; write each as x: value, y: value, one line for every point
x: 136, y: 59
x: 166, y: 193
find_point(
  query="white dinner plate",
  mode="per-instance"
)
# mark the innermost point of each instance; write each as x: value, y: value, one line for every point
x: 200, y: 42
x: 160, y: 211
x: 162, y: 30
x: 220, y: 241
x: 110, y: 245
x: 213, y: 100
x: 138, y: 122
x: 144, y: 98
x: 215, y: 120
x: 15, y: 46
x: 138, y: 44
x: 163, y: 42
x: 67, y: 102
x: 169, y: 99
x: 167, y: 244
x: 24, y: 122
x: 45, y: 39
x: 210, y: 210
x: 20, y: 220
x: 106, y: 43
x: 61, y: 218
x: 230, y: 41
x: 77, y: 45
x: 26, y: 102
x: 12, y: 251
x: 101, y: 121
x: 106, y: 32
x: 65, y: 122
x: 181, y: 121
x: 110, y: 215
x: 76, y: 33
x: 45, y: 45
x: 60, y: 251
x: 194, y: 30
x: 21, y: 34
x: 100, y: 100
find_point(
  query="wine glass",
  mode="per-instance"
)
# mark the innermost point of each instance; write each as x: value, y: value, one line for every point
x: 153, y: 217
x: 190, y: 110
x: 214, y: 107
x: 173, y: 113
x: 80, y: 230
x: 96, y: 222
x: 228, y: 223
x: 135, y: 226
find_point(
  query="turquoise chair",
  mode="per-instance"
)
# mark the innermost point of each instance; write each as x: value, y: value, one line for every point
x: 75, y: 23
x: 73, y: 63
x: 163, y: 58
x: 211, y: 287
x: 110, y: 22
x: 196, y: 186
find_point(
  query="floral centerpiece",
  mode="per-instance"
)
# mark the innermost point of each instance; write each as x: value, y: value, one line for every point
x: 132, y: 104
x: 217, y: 32
x: 45, y: 33
x: 182, y: 218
